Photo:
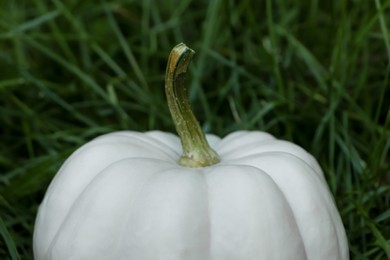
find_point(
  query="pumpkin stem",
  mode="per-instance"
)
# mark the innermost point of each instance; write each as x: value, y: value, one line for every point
x: 196, y: 150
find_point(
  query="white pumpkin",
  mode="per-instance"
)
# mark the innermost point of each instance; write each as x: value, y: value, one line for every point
x: 125, y: 196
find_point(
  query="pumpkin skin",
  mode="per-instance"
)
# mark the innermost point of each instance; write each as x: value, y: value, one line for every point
x: 124, y: 196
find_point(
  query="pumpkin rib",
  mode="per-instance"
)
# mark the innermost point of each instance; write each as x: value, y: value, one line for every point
x: 240, y: 139
x: 322, y: 192
x: 217, y: 175
x: 97, y: 180
x: 58, y: 179
x: 93, y: 145
x: 277, y: 152
x: 98, y: 141
x: 267, y: 145
x: 145, y: 139
x: 172, y: 177
x: 287, y: 204
x: 131, y: 204
x: 169, y: 140
x: 204, y: 174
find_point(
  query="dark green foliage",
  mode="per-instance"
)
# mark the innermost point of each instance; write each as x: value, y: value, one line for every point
x: 313, y: 72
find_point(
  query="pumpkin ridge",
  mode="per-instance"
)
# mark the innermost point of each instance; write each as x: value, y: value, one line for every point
x: 234, y: 137
x: 173, y: 172
x: 251, y: 173
x: 323, y: 195
x: 204, y: 173
x: 57, y: 179
x: 289, y: 206
x: 145, y: 139
x: 95, y: 179
x: 176, y: 150
x: 99, y: 141
x: 265, y: 153
x: 148, y: 139
x: 128, y: 214
x: 274, y: 145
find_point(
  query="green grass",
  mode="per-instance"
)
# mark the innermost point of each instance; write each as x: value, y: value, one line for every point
x: 313, y: 72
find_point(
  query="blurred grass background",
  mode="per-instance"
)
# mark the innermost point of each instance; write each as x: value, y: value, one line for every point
x: 313, y: 72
